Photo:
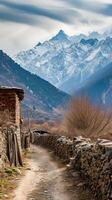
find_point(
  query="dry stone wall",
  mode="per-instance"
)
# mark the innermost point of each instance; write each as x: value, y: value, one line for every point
x: 3, y: 148
x: 10, y: 105
x: 93, y: 160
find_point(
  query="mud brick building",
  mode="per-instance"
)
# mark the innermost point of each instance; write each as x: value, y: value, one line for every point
x: 10, y: 99
x: 10, y: 115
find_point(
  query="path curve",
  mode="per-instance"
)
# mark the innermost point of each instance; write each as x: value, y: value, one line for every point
x: 48, y: 179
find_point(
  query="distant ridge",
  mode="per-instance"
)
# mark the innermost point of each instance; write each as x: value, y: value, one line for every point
x: 98, y: 87
x: 41, y: 98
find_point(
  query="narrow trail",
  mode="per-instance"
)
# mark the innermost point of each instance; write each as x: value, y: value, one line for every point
x: 48, y: 179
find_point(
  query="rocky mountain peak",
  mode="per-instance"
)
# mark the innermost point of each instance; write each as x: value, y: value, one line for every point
x: 61, y: 35
x: 67, y: 61
x: 1, y: 53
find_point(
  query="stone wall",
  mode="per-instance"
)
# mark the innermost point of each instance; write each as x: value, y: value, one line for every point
x: 9, y: 103
x: 10, y: 106
x: 93, y: 160
x: 10, y: 137
x: 3, y: 148
x: 17, y: 111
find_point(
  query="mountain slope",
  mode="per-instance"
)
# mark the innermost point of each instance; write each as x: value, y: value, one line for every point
x: 40, y: 95
x: 68, y: 61
x: 99, y: 87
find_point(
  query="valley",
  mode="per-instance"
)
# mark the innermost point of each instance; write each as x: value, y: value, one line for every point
x: 56, y: 100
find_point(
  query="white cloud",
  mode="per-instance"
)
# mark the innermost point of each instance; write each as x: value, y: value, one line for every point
x: 16, y: 35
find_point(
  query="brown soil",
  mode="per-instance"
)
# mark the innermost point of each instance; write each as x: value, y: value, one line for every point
x: 48, y: 179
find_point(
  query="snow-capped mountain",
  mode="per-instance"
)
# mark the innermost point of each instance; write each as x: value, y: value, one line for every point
x: 68, y: 61
x: 96, y: 58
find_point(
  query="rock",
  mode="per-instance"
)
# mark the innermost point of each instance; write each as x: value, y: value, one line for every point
x: 28, y: 168
x: 80, y: 184
x: 75, y: 174
x: 18, y: 171
x: 6, y: 196
x: 92, y: 159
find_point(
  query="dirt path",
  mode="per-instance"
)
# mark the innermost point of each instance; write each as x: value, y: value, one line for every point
x: 47, y: 179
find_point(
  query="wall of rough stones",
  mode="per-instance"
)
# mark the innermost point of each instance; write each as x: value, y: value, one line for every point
x: 9, y: 102
x: 17, y: 111
x: 3, y: 148
x: 92, y: 159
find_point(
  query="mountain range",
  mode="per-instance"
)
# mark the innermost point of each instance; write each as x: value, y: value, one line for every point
x: 68, y: 61
x: 98, y: 88
x: 42, y: 99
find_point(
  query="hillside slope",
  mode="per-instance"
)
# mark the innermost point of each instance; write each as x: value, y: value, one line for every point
x: 41, y: 97
x: 99, y: 87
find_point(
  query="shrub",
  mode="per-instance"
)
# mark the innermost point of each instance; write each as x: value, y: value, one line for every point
x: 83, y: 118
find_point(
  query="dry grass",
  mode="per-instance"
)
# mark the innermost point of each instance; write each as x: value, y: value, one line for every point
x: 58, y: 129
x: 83, y: 118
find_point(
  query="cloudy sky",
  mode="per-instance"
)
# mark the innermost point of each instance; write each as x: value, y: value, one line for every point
x: 24, y: 23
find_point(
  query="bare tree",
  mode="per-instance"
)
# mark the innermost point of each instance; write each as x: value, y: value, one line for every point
x: 86, y: 119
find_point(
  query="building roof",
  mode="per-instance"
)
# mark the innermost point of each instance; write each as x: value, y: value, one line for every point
x: 18, y: 91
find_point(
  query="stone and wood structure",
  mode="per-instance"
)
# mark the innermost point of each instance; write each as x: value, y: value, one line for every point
x: 10, y: 102
x: 10, y: 134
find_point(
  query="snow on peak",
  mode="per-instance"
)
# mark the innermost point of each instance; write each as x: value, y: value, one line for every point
x: 65, y: 60
x: 60, y: 36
